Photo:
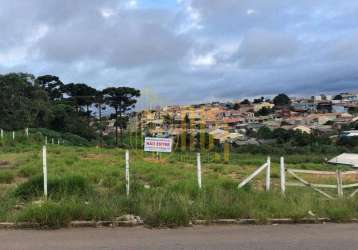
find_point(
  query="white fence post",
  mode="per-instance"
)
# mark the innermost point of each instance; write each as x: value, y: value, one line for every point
x: 198, y: 168
x: 44, y: 165
x: 282, y: 175
x: 27, y: 132
x: 58, y: 141
x: 339, y: 183
x: 127, y: 172
x: 13, y: 135
x: 52, y: 141
x: 45, y: 140
x: 268, y: 174
x: 2, y: 134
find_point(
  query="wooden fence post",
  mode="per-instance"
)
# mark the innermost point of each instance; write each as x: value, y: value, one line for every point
x: 44, y: 166
x: 282, y: 175
x: 127, y: 172
x: 268, y: 174
x: 198, y: 169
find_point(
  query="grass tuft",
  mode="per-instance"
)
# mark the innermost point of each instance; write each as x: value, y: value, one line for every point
x: 6, y: 177
x: 68, y: 185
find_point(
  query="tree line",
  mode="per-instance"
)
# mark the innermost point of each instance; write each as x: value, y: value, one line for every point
x: 46, y: 102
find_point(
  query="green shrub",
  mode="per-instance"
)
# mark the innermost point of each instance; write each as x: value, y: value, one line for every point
x: 39, y: 134
x: 75, y: 140
x: 339, y: 211
x: 217, y: 158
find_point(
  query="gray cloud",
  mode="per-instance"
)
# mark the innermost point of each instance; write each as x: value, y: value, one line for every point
x: 192, y: 51
x: 261, y: 47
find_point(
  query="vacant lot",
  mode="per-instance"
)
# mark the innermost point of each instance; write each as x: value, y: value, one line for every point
x: 88, y: 183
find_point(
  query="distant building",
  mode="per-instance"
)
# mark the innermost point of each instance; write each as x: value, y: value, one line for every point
x: 345, y: 159
x: 303, y: 129
x: 324, y: 107
x: 349, y: 96
x: 339, y: 109
x: 305, y: 107
x: 259, y: 106
x: 316, y: 98
x: 349, y: 133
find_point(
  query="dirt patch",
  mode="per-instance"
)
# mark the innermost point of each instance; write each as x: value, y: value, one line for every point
x: 4, y: 164
x: 350, y: 178
x: 235, y: 176
x: 95, y: 156
x: 154, y: 160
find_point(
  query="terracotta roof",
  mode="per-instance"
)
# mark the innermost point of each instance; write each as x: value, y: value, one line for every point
x: 232, y: 120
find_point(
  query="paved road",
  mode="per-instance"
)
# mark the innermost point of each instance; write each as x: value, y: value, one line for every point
x: 300, y: 237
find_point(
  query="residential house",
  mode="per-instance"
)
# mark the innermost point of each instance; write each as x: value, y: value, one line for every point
x: 259, y: 106
x: 336, y: 108
x: 304, y: 129
x: 305, y: 107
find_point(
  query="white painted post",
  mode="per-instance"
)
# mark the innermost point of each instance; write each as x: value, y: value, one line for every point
x: 52, y: 141
x: 282, y: 175
x: 58, y: 141
x: 13, y: 135
x: 44, y: 166
x: 2, y: 134
x: 45, y: 140
x: 198, y: 168
x: 27, y: 132
x: 127, y: 172
x: 268, y: 174
x: 339, y: 183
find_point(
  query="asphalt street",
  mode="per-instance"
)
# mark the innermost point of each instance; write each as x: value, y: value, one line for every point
x: 277, y: 237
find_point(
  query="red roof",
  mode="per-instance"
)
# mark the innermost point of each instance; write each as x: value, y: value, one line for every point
x: 232, y: 120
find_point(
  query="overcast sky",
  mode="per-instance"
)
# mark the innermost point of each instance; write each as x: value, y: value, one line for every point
x: 186, y: 51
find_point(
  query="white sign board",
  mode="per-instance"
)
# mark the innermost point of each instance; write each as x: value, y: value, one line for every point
x: 153, y: 144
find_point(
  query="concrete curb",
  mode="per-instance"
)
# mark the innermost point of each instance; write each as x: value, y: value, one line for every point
x: 7, y: 225
x: 97, y: 224
x: 83, y: 224
x: 267, y: 222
